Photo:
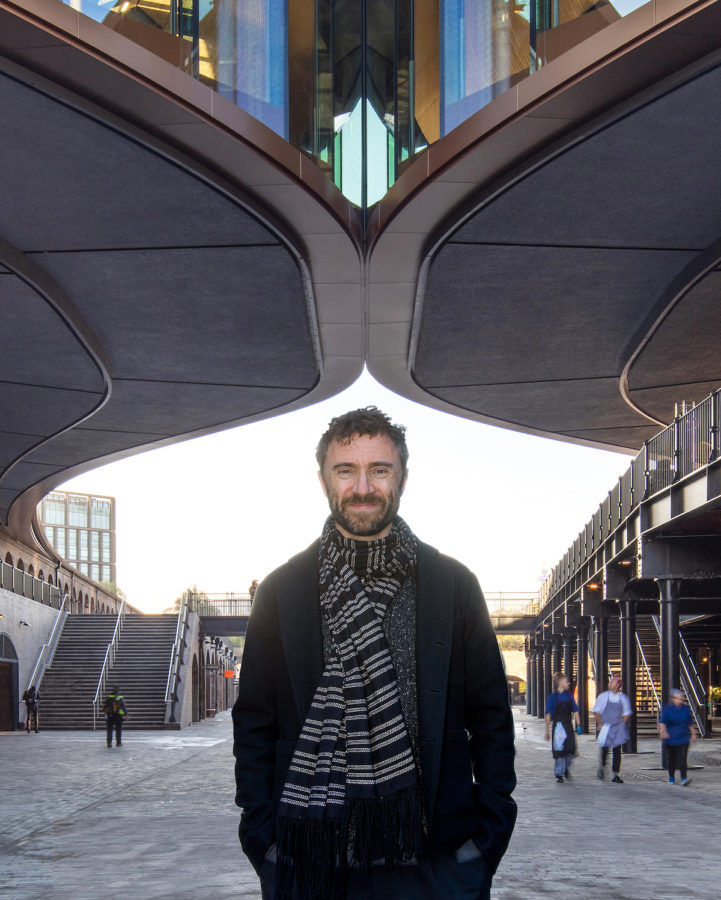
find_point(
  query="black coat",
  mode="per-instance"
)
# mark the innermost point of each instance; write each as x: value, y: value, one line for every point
x: 465, y: 724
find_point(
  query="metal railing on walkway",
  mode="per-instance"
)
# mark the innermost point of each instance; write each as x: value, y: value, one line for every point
x: 220, y: 604
x: 26, y: 585
x: 108, y: 662
x: 688, y: 444
x: 510, y: 603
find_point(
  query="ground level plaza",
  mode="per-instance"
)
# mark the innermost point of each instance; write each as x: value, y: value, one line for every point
x: 155, y: 819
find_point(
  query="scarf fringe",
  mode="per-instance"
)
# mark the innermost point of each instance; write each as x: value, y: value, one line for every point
x: 388, y: 828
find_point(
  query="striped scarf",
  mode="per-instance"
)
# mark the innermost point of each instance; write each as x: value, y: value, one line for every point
x: 352, y: 792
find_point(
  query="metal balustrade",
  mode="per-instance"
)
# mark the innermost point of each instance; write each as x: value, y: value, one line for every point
x: 687, y: 445
x: 26, y: 585
x: 220, y: 604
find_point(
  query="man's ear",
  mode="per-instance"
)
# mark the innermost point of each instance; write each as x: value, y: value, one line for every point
x: 322, y: 483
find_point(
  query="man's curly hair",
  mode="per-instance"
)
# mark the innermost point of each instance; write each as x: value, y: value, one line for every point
x: 368, y: 421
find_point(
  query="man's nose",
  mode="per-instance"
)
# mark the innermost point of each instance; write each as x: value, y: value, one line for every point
x: 363, y: 484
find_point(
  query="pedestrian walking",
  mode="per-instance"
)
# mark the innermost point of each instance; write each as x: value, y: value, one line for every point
x: 612, y: 711
x: 561, y: 709
x: 115, y: 714
x: 676, y: 728
x: 372, y: 732
x: 31, y: 698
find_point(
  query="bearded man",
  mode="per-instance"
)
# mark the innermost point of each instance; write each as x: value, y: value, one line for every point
x: 372, y: 733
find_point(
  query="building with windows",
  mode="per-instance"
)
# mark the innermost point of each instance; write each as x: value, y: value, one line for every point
x: 81, y: 529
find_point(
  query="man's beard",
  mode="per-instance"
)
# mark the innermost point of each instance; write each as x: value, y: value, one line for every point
x: 364, y: 524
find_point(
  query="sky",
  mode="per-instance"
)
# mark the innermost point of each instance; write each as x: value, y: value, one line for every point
x: 218, y: 511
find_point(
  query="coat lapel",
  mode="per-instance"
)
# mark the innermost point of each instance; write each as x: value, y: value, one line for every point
x: 434, y: 634
x: 300, y: 631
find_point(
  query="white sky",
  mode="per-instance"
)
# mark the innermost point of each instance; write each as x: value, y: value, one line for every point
x: 218, y: 511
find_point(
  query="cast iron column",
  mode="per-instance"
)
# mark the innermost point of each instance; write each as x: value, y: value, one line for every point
x: 669, y: 590
x: 539, y: 701
x: 568, y: 653
x: 582, y: 674
x: 628, y: 666
x: 530, y: 676
x: 600, y: 652
x: 547, y: 675
x: 556, y: 640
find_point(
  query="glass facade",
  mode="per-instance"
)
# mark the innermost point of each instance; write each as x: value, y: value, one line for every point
x: 361, y: 86
x: 87, y: 542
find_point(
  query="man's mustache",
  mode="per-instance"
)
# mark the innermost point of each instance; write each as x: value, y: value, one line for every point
x: 363, y: 498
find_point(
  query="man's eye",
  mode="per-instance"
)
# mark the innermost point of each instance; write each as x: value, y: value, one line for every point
x: 381, y: 472
x: 344, y: 473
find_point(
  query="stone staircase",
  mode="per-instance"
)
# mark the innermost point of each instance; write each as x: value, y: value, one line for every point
x: 141, y: 668
x: 140, y: 671
x: 69, y: 685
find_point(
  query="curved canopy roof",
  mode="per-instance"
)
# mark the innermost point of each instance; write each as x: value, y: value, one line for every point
x: 169, y: 266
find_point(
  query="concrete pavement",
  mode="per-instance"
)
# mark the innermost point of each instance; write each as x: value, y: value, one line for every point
x: 156, y: 819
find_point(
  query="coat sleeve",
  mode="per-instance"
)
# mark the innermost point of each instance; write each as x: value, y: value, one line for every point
x: 255, y: 727
x: 489, y: 723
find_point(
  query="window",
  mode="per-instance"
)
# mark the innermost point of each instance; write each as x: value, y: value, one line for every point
x: 99, y: 513
x: 105, y: 543
x: 72, y: 543
x: 77, y: 510
x: 95, y: 546
x: 83, y: 567
x: 54, y: 509
x: 83, y: 549
x: 50, y: 534
x: 95, y: 572
x: 105, y: 573
x: 60, y: 541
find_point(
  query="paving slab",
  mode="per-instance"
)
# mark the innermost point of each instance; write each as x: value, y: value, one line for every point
x: 155, y: 819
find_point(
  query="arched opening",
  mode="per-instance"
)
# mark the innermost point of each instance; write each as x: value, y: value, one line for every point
x: 9, y: 693
x: 196, y: 690
x: 8, y: 559
x: 41, y: 575
x: 20, y: 565
x: 31, y: 570
x: 92, y: 605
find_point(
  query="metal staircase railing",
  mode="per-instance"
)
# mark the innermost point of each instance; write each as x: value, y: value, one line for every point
x: 646, y: 687
x: 47, y: 651
x: 108, y: 662
x: 176, y: 659
x: 690, y: 682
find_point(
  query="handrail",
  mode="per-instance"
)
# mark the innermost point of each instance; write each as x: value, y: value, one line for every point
x: 687, y: 672
x: 109, y: 660
x: 649, y: 675
x: 47, y: 651
x: 176, y: 656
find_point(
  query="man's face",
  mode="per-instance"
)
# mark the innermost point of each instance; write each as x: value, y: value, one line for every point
x: 363, y: 481
x: 615, y: 685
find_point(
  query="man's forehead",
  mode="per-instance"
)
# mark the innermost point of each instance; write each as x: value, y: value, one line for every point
x: 369, y: 448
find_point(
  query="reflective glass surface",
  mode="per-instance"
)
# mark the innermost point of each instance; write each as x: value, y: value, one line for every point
x: 361, y: 86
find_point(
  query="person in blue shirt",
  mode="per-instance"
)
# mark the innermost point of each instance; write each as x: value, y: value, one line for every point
x: 675, y: 725
x: 560, y: 711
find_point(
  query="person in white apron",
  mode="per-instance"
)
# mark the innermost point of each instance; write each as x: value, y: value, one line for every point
x: 612, y: 711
